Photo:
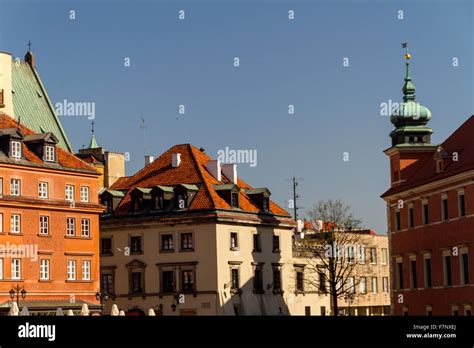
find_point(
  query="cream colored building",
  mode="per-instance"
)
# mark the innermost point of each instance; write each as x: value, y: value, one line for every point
x: 369, y: 277
x: 186, y: 236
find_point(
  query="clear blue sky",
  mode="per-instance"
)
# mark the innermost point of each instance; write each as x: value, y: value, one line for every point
x: 190, y: 62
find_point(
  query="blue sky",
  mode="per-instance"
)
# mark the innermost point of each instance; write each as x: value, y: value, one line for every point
x: 282, y: 62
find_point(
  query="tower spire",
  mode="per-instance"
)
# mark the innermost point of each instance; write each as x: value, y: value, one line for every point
x: 93, y: 143
x: 408, y: 87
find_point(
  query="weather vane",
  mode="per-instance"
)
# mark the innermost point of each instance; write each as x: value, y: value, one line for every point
x: 29, y: 45
x: 405, y: 46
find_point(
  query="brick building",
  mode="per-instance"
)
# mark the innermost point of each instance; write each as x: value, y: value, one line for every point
x: 430, y: 209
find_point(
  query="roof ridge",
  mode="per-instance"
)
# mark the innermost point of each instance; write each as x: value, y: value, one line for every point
x: 198, y: 167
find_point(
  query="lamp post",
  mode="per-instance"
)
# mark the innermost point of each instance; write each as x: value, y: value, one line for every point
x: 101, y: 296
x: 18, y: 290
x: 176, y: 299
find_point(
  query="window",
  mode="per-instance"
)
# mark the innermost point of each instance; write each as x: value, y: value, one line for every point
x: 107, y: 283
x: 70, y: 193
x: 187, y: 241
x: 426, y: 218
x: 351, y: 285
x: 43, y: 190
x: 322, y: 282
x: 307, y: 311
x: 15, y: 223
x: 374, y: 285
x: 71, y: 270
x: 234, y: 273
x: 373, y: 256
x: 299, y: 281
x: 234, y: 243
x: 455, y: 310
x: 363, y: 285
x: 411, y: 218
x: 276, y: 279
x: 49, y: 153
x: 1, y: 268
x: 15, y: 188
x: 257, y: 279
x: 384, y: 256
x: 266, y: 204
x: 44, y: 225
x: 16, y: 269
x: 106, y: 246
x: 397, y: 221
x: 234, y: 196
x: 428, y: 279
x: 429, y: 311
x: 86, y: 270
x: 137, y: 282
x: 256, y: 243
x: 44, y: 269
x: 351, y: 253
x: 448, y: 281
x: 187, y: 280
x: 167, y: 281
x: 462, y: 205
x: 84, y: 194
x: 167, y: 242
x: 1, y: 186
x: 400, y: 274
x: 385, y: 284
x: 362, y: 254
x: 464, y: 268
x: 16, y: 149
x: 444, y: 209
x: 413, y: 282
x: 85, y: 227
x: 276, y: 244
x: 70, y: 226
x: 136, y: 244
x: 322, y: 311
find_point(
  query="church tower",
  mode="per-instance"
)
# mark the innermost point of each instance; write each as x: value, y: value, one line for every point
x: 411, y: 138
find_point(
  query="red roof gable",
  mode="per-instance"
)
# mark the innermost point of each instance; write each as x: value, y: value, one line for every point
x: 192, y: 170
x: 461, y: 142
x: 64, y: 158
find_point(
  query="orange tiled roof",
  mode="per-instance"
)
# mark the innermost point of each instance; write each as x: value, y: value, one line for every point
x: 192, y: 170
x: 65, y: 159
x: 424, y: 171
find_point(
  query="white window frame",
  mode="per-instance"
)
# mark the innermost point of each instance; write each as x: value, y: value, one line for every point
x: 373, y: 281
x: 49, y: 153
x: 43, y: 189
x: 44, y: 225
x: 44, y: 269
x: 384, y: 254
x: 385, y: 284
x: 86, y: 270
x: 363, y: 285
x: 351, y: 285
x: 85, y: 194
x: 71, y: 269
x: 463, y: 251
x: 85, y: 227
x: 15, y: 149
x: 373, y: 252
x: 15, y: 223
x: 69, y: 192
x: 1, y: 267
x: 362, y: 256
x: 70, y: 226
x: 16, y: 269
x: 15, y: 187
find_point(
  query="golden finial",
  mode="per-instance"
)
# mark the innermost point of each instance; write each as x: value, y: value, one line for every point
x: 407, y: 56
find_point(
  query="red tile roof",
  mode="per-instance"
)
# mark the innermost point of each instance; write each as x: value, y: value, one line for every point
x: 192, y: 170
x: 65, y: 159
x: 424, y: 170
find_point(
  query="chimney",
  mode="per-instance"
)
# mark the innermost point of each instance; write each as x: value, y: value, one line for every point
x: 149, y: 159
x: 230, y: 171
x: 214, y: 166
x: 176, y: 160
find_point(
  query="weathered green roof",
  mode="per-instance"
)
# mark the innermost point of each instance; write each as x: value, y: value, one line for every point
x: 116, y: 193
x: 190, y: 187
x: 144, y: 190
x: 257, y: 191
x: 225, y: 187
x: 93, y: 144
x: 165, y: 188
x: 32, y: 104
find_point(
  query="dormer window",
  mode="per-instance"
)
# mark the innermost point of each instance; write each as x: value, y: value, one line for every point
x: 439, y: 166
x: 235, y: 199
x: 111, y: 199
x: 184, y: 195
x: 15, y: 150
x: 229, y: 192
x: 49, y: 153
x: 266, y: 204
x: 260, y: 197
x: 162, y: 197
x: 141, y: 198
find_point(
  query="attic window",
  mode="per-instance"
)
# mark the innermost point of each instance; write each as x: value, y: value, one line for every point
x: 234, y: 199
x: 439, y: 166
x: 49, y: 153
x: 266, y: 203
x: 15, y: 149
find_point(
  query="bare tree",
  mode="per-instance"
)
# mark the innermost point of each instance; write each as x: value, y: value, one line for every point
x: 331, y: 252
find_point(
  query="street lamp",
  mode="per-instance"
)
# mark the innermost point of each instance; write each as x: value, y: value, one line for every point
x: 175, y: 305
x: 101, y: 296
x: 18, y: 290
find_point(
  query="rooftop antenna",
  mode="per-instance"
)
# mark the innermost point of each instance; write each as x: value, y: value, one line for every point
x: 295, y: 181
x: 29, y: 45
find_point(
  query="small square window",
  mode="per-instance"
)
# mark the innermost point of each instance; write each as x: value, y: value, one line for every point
x: 49, y: 153
x: 43, y: 190
x: 16, y: 149
x: 84, y: 194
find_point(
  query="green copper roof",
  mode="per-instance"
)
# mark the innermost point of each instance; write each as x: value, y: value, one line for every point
x: 32, y: 105
x: 93, y: 144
